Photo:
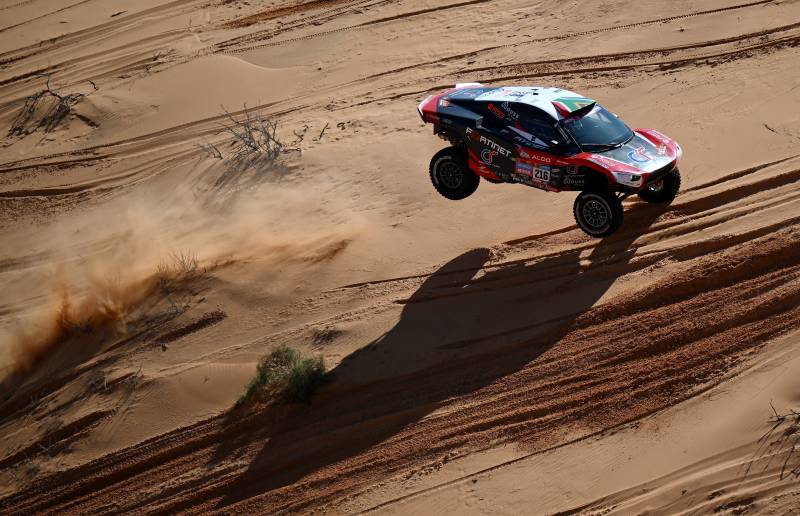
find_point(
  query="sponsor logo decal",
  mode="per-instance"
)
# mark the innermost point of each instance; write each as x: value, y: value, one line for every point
x: 577, y: 181
x: 487, y: 156
x: 535, y: 143
x: 496, y: 111
x: 539, y: 176
x: 474, y: 135
x: 513, y: 115
x: 658, y: 135
x: 604, y: 162
x: 495, y: 146
x: 508, y: 92
x: 638, y: 155
x: 525, y: 169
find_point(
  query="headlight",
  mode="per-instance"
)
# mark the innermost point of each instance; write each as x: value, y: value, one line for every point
x: 680, y: 151
x: 628, y: 179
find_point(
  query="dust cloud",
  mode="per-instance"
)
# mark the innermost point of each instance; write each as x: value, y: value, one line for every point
x: 104, y: 264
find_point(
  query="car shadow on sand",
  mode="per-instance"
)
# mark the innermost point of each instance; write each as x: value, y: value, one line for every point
x: 469, y: 324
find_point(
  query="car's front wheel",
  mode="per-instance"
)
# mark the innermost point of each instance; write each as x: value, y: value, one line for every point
x: 451, y: 176
x: 664, y: 190
x: 598, y: 212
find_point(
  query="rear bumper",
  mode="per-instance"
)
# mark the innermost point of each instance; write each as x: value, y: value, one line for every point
x: 427, y: 109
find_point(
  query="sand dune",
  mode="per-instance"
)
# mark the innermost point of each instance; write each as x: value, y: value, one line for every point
x: 486, y: 356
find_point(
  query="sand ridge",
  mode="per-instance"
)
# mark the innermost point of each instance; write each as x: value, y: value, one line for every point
x: 472, y: 343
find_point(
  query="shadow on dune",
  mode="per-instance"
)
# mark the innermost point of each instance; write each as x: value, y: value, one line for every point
x: 468, y: 325
x: 231, y: 176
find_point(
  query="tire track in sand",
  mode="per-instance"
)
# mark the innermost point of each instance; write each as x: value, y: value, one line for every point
x: 641, y: 61
x: 604, y: 366
x: 76, y: 4
x: 224, y: 45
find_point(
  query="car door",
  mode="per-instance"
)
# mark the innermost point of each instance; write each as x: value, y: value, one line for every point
x: 490, y: 149
x: 540, y: 144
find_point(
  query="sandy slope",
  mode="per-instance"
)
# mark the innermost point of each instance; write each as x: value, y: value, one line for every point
x: 705, y: 455
x: 487, y: 356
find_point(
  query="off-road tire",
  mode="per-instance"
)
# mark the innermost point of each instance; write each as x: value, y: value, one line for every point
x: 598, y: 212
x: 451, y: 176
x: 664, y: 190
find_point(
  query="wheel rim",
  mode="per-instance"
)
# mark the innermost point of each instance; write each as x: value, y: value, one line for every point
x: 657, y: 186
x: 450, y: 174
x: 596, y: 213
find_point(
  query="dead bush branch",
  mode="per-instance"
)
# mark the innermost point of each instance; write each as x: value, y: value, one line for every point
x: 255, y: 137
x: 210, y: 149
x: 777, y: 417
x: 46, y: 109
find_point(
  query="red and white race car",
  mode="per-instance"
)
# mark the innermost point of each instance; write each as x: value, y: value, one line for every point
x: 551, y: 139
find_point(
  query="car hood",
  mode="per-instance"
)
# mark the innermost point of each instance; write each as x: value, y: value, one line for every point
x: 641, y: 154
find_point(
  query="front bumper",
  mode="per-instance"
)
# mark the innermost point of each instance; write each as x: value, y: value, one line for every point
x: 659, y: 174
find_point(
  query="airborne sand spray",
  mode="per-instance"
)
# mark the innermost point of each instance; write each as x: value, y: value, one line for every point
x: 104, y: 306
x: 104, y: 264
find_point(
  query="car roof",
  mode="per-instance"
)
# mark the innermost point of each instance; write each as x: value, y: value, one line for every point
x: 553, y: 101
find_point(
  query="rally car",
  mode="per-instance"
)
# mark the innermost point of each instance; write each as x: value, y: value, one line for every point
x: 551, y: 139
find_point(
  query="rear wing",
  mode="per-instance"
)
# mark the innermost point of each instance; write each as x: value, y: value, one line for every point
x: 573, y: 106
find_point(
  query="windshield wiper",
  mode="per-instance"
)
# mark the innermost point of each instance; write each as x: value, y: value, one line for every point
x: 601, y: 145
x: 627, y: 140
x: 609, y: 146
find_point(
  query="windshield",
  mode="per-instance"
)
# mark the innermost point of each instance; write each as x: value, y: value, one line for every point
x: 598, y: 130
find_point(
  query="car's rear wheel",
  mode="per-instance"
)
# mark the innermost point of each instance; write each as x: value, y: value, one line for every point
x: 664, y: 190
x: 451, y: 176
x: 598, y: 212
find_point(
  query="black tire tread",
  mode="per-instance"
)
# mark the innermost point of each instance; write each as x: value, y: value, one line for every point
x: 471, y: 179
x: 617, y: 213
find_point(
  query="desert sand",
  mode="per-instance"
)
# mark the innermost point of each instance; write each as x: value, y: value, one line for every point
x: 485, y: 356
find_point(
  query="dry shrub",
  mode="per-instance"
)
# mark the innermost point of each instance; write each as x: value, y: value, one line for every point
x: 179, y: 266
x: 46, y: 109
x: 254, y: 139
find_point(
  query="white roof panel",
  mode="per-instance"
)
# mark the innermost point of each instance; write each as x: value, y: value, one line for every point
x: 536, y: 96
